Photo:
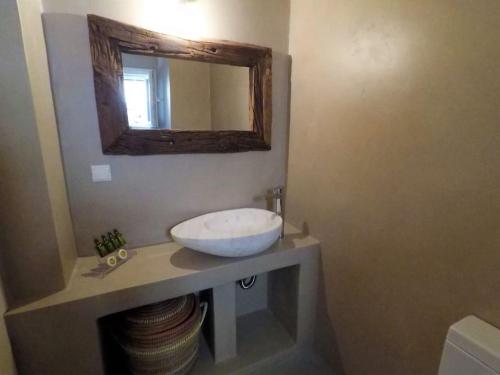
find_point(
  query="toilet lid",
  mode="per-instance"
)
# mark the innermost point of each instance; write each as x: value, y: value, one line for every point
x: 478, y: 339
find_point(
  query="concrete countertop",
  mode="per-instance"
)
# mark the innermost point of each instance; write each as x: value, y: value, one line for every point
x: 163, y: 262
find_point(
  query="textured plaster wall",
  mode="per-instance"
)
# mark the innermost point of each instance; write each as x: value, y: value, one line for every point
x: 394, y: 156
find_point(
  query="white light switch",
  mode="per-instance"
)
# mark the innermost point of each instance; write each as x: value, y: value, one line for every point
x: 101, y: 173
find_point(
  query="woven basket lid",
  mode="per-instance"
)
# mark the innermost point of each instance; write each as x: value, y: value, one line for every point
x: 157, y: 317
x: 159, y: 312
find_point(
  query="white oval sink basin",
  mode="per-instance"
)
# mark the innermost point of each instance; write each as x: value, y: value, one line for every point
x: 230, y: 233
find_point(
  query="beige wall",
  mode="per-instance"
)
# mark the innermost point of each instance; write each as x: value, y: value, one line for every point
x: 30, y: 260
x: 208, y: 96
x: 229, y: 90
x: 149, y: 194
x: 259, y: 22
x: 38, y: 71
x: 190, y: 95
x: 394, y: 155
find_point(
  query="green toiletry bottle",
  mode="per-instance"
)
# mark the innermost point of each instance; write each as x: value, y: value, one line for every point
x: 116, y: 243
x: 119, y: 237
x: 101, y: 250
x: 108, y: 245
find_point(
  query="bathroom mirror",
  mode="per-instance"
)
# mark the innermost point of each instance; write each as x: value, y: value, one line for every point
x: 158, y: 94
x: 163, y: 93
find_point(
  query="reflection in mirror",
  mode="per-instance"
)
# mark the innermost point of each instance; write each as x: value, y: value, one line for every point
x: 164, y: 93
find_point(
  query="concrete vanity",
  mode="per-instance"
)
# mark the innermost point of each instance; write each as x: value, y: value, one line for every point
x: 61, y: 334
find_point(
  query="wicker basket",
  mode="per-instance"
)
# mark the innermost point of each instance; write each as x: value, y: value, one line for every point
x: 162, y: 338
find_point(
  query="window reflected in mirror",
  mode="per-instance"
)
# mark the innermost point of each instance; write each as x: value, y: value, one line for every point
x: 140, y: 96
x: 164, y: 93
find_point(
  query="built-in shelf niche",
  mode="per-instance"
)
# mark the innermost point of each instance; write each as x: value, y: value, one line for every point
x: 235, y: 336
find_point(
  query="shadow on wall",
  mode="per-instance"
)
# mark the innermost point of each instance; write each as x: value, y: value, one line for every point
x: 326, y: 339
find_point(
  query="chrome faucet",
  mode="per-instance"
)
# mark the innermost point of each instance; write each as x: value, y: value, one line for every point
x: 278, y: 198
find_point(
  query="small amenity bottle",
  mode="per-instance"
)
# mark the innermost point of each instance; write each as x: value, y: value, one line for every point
x: 107, y: 244
x: 119, y: 237
x: 114, y: 241
x: 101, y: 250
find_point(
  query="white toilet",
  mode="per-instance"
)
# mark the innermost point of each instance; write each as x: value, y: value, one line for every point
x: 472, y: 347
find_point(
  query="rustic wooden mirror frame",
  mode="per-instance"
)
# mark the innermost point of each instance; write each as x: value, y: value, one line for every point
x: 108, y: 39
